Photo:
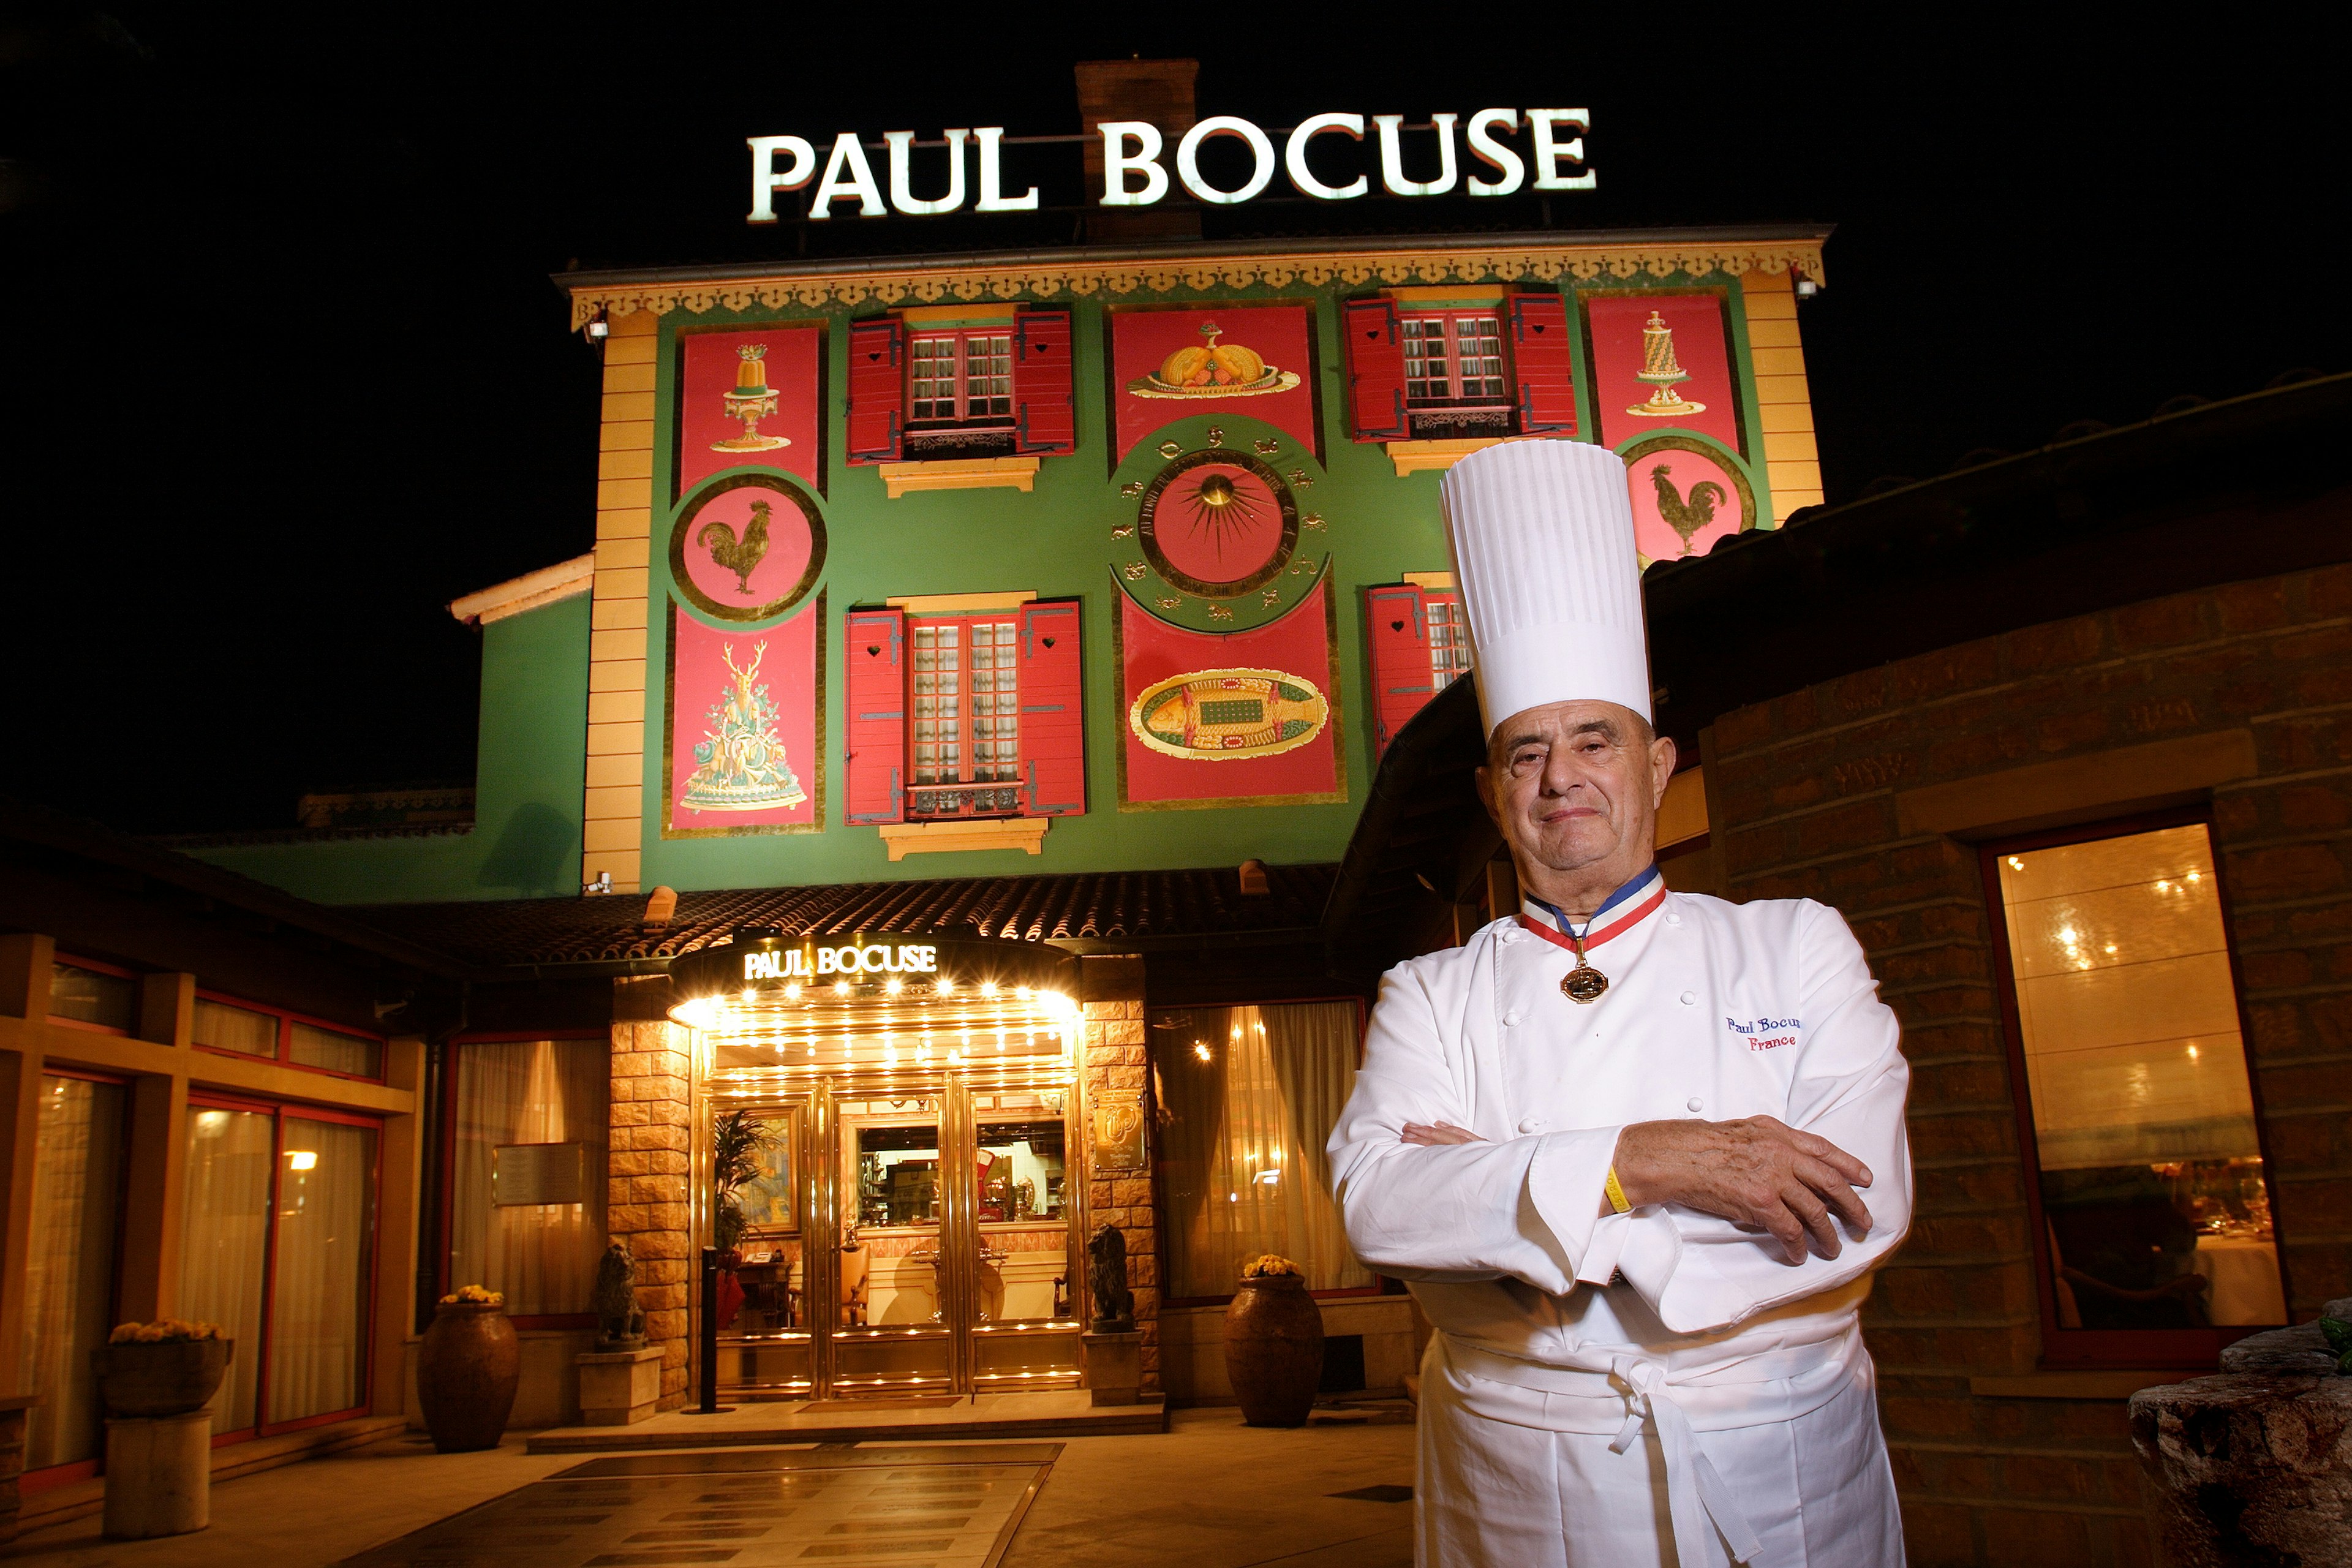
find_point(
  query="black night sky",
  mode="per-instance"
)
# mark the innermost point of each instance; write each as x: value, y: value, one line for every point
x: 284, y: 371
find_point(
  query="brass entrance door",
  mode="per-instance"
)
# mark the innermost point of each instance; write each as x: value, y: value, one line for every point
x: 936, y: 1253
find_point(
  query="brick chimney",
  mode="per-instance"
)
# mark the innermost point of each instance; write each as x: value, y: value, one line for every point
x: 1159, y: 91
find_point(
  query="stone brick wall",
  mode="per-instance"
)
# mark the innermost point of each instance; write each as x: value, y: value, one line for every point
x: 1832, y: 793
x: 1114, y: 1057
x: 650, y: 1201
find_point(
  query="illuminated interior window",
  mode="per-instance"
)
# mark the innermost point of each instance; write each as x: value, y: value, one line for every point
x: 2143, y: 1118
x: 966, y: 718
x: 956, y: 378
x: 1449, y: 640
x: 1454, y: 357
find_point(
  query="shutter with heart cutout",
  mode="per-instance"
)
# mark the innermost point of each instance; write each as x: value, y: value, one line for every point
x: 1053, y: 710
x: 1401, y: 682
x: 875, y: 724
x: 1542, y: 364
x: 1375, y: 370
x: 1044, y: 417
x: 877, y: 390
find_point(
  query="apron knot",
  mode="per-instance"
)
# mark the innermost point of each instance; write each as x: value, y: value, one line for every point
x: 1695, y: 1492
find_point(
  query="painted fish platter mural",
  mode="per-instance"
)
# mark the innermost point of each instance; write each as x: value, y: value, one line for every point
x: 1218, y: 713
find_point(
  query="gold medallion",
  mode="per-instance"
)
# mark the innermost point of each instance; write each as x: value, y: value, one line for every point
x: 1584, y: 983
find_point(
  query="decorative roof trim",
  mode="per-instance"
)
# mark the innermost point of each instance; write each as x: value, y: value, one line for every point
x: 548, y: 585
x: 1657, y: 254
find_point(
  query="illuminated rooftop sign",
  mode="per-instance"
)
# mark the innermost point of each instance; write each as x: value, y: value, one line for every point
x: 1138, y: 172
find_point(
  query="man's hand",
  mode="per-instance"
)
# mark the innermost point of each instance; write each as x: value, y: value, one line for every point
x: 1443, y: 1133
x: 1757, y: 1171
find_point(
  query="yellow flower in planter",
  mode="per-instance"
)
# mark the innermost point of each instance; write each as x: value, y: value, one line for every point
x: 474, y: 1296
x: 164, y: 1331
x: 1268, y: 1264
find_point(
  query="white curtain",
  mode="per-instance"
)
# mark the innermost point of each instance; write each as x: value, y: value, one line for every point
x: 70, y: 1268
x: 225, y: 1242
x: 1252, y: 1094
x: 318, y: 1299
x: 542, y: 1256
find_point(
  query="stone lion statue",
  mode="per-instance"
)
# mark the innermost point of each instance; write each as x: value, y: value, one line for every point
x: 1106, y: 1275
x: 620, y: 1322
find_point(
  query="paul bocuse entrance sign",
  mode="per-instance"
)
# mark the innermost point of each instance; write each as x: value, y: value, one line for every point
x: 1137, y: 171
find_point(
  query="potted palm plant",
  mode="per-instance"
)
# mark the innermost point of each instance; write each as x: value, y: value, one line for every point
x: 738, y: 1140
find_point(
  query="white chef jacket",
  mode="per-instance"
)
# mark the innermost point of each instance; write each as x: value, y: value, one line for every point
x: 1552, y: 1317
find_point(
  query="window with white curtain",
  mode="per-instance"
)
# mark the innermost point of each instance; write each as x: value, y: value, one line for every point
x: 527, y: 1192
x: 277, y: 1244
x: 320, y: 1277
x: 70, y: 1268
x: 1251, y: 1095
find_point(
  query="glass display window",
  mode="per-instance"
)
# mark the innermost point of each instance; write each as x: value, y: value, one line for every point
x: 278, y: 1247
x: 1251, y: 1096
x: 1453, y: 358
x: 965, y: 738
x: 2153, y: 1211
x: 959, y: 377
x: 528, y: 1158
x: 69, y: 1271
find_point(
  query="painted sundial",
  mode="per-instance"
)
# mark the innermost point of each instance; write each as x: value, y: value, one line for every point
x: 1225, y: 535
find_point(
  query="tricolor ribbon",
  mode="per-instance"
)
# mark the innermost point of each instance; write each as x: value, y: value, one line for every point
x: 1619, y: 913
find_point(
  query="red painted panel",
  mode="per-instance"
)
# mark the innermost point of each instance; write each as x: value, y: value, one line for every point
x: 1401, y: 682
x: 743, y: 710
x: 1043, y: 417
x: 1297, y: 647
x: 1053, y: 710
x: 1375, y: 370
x: 1142, y: 344
x: 712, y: 430
x: 877, y: 390
x: 1543, y: 365
x: 1700, y: 348
x: 874, y: 718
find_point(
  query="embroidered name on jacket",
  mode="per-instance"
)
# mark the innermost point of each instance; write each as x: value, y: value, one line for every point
x: 1759, y: 1033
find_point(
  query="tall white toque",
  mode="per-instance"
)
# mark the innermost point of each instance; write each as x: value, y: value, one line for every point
x: 1542, y: 537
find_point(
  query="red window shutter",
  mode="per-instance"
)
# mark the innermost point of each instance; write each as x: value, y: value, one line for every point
x: 1052, y: 711
x: 1375, y: 370
x: 1044, y: 417
x: 1400, y: 647
x: 1541, y: 362
x: 875, y: 724
x: 878, y: 391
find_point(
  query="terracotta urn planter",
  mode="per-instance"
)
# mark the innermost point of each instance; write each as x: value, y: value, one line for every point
x: 1274, y: 1350
x: 467, y: 1371
x: 170, y: 1377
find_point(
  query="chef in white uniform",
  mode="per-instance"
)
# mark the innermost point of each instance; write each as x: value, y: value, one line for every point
x: 1636, y: 1152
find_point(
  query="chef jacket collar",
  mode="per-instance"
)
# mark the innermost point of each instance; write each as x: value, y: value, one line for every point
x: 1619, y: 913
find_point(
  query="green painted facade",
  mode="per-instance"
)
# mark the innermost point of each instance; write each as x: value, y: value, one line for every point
x: 1056, y: 542
x: 525, y: 842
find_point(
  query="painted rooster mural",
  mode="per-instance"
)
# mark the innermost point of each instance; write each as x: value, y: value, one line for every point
x: 743, y: 556
x: 1686, y: 518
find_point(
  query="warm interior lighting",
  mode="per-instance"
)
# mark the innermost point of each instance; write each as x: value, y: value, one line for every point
x: 302, y: 1159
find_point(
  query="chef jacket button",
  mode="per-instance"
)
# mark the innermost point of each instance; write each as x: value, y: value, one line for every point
x: 1693, y: 1103
x: 1512, y: 1019
x: 1689, y: 997
x: 1532, y: 1124
x: 1673, y: 918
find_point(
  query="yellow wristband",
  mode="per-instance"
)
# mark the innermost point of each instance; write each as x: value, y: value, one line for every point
x: 1616, y: 1193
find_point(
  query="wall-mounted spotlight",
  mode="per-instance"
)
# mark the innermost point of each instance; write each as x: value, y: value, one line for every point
x: 598, y: 329
x: 1806, y: 287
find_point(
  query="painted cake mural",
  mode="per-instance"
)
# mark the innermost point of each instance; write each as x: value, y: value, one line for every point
x: 751, y: 397
x: 1661, y: 361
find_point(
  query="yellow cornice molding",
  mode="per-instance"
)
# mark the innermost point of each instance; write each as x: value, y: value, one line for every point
x: 1432, y: 265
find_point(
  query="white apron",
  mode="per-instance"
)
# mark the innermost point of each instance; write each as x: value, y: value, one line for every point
x: 1660, y: 1386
